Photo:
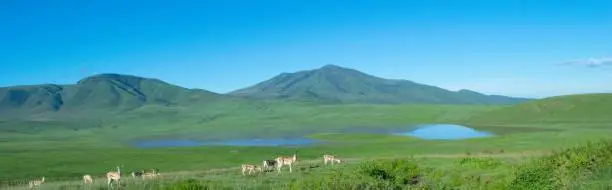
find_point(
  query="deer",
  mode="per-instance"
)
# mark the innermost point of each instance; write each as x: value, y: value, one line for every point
x: 114, y: 176
x: 268, y: 164
x: 141, y: 173
x: 285, y: 160
x: 330, y: 158
x: 36, y: 183
x: 87, y: 179
x: 150, y: 175
x: 137, y: 174
x: 250, y: 168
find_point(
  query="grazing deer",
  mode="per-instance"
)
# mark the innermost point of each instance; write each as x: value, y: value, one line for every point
x: 137, y: 174
x: 87, y: 179
x: 36, y: 183
x: 250, y: 168
x: 150, y: 175
x: 267, y: 164
x: 141, y: 173
x: 330, y: 158
x: 113, y: 176
x: 282, y: 160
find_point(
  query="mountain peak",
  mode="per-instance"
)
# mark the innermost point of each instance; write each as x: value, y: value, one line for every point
x: 337, y: 71
x: 109, y: 91
x: 112, y: 77
x: 331, y: 66
x: 333, y: 83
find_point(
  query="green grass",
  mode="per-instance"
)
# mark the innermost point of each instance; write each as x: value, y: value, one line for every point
x: 585, y: 166
x: 70, y: 159
x: 67, y: 148
x: 64, y: 154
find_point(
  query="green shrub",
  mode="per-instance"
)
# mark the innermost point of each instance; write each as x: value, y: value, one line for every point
x: 379, y: 174
x: 190, y: 184
x: 562, y: 170
x: 396, y: 172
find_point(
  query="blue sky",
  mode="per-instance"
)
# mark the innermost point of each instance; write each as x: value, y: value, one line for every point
x: 518, y: 48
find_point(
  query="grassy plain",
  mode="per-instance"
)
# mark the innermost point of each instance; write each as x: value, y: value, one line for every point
x: 65, y: 150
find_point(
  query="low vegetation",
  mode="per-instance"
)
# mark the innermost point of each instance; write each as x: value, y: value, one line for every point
x: 575, y: 168
x: 582, y: 167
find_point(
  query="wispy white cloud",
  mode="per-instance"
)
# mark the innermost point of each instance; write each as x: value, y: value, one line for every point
x: 591, y: 62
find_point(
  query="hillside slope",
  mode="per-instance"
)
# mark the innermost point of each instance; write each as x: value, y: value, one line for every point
x: 570, y: 108
x: 336, y: 84
x: 105, y: 92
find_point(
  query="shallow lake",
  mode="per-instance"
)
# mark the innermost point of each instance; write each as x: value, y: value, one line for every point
x: 428, y: 131
x: 445, y: 132
x: 237, y: 142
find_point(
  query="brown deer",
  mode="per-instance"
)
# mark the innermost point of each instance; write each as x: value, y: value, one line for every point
x: 330, y: 158
x: 113, y: 176
x: 282, y: 161
x: 250, y: 168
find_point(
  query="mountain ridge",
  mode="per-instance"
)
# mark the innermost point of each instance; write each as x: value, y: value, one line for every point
x: 346, y: 85
x: 103, y: 92
x: 329, y: 84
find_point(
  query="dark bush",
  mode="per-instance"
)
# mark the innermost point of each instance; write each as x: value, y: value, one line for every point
x: 190, y: 184
x: 379, y: 174
x: 396, y: 172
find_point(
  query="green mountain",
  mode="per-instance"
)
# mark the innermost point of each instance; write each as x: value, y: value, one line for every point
x: 101, y: 93
x: 336, y: 84
x: 108, y: 94
x: 589, y: 108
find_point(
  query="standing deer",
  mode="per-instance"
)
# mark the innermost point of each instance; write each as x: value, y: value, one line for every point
x: 36, y: 183
x: 250, y: 168
x: 282, y: 160
x: 137, y: 174
x: 330, y: 158
x: 267, y: 164
x: 150, y: 175
x: 113, y: 176
x: 87, y: 179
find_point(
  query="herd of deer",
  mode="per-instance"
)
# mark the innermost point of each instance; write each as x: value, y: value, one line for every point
x: 111, y: 176
x: 279, y: 162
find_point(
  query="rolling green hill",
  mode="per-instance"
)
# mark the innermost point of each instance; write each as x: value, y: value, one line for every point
x: 108, y: 94
x: 334, y: 84
x: 584, y: 108
x: 97, y: 94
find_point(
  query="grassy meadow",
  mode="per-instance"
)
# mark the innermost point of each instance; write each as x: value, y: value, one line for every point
x: 63, y: 151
